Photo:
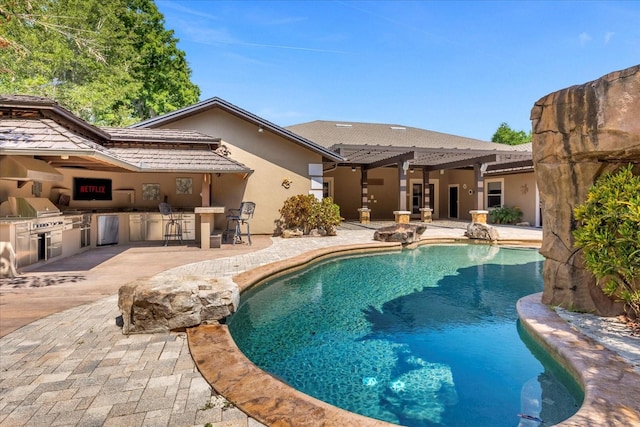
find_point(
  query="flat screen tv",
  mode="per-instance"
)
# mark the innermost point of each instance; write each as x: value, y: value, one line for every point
x: 92, y: 189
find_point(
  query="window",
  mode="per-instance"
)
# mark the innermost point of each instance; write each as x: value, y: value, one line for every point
x: 494, y: 193
x: 327, y: 187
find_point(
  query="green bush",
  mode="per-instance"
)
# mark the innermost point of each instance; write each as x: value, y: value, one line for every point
x: 505, y: 215
x: 307, y: 213
x: 608, y: 232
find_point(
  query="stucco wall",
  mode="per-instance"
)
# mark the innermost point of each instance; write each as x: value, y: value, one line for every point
x: 121, y: 183
x: 271, y: 157
x: 520, y: 190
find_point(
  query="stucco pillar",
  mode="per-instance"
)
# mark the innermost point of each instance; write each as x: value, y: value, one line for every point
x: 479, y: 199
x: 364, y: 191
x: 364, y: 212
x: 426, y: 198
x: 205, y: 194
x: 402, y: 190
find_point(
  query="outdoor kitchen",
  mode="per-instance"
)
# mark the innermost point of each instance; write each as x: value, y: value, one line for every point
x: 67, y: 186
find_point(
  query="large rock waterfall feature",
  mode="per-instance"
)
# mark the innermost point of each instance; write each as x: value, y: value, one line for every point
x: 580, y: 133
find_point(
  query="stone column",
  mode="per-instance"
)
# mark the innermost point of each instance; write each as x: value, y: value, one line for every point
x: 426, y: 214
x: 402, y: 217
x: 479, y: 216
x: 365, y: 215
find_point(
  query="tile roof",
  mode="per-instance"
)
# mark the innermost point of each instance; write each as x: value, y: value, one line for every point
x: 178, y: 160
x: 43, y: 135
x: 374, y: 143
x: 330, y: 134
x: 46, y: 137
x: 181, y: 136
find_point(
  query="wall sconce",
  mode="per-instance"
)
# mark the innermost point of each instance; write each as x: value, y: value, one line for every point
x: 260, y: 129
x: 441, y: 171
x: 405, y: 166
x: 64, y: 157
x: 411, y: 170
x: 353, y: 168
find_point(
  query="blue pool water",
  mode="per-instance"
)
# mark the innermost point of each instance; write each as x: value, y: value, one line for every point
x: 423, y: 337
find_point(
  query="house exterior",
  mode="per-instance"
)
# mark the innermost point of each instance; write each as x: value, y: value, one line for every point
x: 283, y: 163
x: 459, y: 174
x: 215, y: 154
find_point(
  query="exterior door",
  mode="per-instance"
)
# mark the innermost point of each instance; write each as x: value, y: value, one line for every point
x: 453, y: 201
x: 416, y: 198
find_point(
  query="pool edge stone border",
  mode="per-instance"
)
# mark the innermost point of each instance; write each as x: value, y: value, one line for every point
x: 611, y: 385
x: 273, y: 402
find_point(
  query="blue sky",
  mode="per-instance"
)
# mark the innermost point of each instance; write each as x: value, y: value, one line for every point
x: 455, y: 67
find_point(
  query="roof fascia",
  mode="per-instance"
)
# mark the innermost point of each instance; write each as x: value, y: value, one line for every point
x: 406, y: 156
x: 462, y: 163
x: 512, y: 165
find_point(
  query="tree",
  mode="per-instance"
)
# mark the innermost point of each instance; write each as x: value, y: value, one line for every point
x: 506, y: 135
x: 110, y: 62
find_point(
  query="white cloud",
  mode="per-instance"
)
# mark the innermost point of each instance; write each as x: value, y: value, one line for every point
x: 608, y: 36
x: 584, y: 38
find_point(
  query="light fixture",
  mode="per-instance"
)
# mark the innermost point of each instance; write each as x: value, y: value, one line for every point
x: 260, y: 129
x: 483, y: 167
x: 411, y: 170
x: 405, y: 166
x: 353, y: 168
x: 441, y: 171
x: 64, y: 157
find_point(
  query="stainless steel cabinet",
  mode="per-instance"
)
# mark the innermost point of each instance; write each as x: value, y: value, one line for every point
x: 26, y: 246
x: 154, y: 227
x: 54, y: 243
x: 136, y: 227
x: 151, y: 226
x: 188, y: 226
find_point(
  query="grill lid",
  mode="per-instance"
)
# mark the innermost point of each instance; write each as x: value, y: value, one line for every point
x: 33, y: 207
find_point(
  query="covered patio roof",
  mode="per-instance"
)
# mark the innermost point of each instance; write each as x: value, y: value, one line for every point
x: 373, y: 145
x: 39, y: 127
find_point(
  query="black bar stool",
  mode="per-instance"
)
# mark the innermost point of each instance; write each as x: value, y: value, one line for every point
x: 237, y: 218
x: 173, y: 226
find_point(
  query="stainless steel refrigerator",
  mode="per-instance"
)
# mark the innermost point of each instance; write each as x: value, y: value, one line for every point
x: 108, y: 227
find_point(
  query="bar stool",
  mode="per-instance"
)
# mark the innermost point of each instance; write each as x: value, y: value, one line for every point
x: 173, y: 227
x: 237, y: 218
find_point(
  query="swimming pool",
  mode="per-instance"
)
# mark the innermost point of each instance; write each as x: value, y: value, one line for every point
x: 420, y: 337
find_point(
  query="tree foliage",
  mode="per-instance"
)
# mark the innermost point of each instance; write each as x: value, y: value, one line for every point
x: 609, y: 234
x: 505, y: 135
x: 110, y: 62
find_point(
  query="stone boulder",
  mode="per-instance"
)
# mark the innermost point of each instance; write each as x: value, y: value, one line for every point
x: 403, y: 233
x: 290, y: 233
x: 481, y: 231
x: 580, y: 133
x: 167, y: 303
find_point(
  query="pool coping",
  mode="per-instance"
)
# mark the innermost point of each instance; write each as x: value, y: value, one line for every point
x: 611, y: 385
x: 608, y: 381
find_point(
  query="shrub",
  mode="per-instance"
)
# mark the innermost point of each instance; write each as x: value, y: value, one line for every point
x: 505, y: 215
x: 608, y: 232
x: 307, y: 213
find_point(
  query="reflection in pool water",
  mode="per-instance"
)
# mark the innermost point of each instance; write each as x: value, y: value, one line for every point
x: 422, y: 337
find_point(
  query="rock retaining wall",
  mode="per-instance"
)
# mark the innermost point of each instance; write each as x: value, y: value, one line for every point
x: 580, y: 133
